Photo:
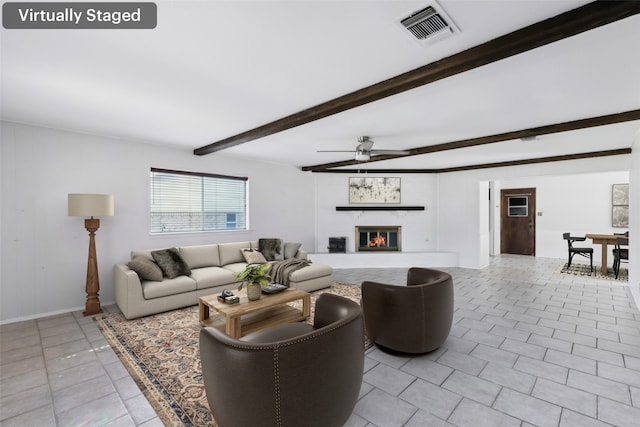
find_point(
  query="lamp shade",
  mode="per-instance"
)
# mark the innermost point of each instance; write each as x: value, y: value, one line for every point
x: 90, y: 204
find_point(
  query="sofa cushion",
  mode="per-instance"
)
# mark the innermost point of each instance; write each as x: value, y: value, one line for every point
x: 208, y: 277
x: 171, y: 263
x: 200, y: 256
x: 291, y: 249
x: 179, y: 285
x: 309, y: 272
x: 253, y: 256
x: 271, y: 249
x: 232, y: 252
x: 145, y: 268
x: 236, y: 267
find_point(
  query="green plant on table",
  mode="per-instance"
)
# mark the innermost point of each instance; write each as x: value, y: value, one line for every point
x: 254, y: 274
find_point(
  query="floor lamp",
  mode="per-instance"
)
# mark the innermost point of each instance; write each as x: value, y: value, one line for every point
x: 90, y: 205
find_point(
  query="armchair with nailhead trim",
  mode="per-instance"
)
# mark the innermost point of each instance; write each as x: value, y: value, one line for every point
x: 295, y: 374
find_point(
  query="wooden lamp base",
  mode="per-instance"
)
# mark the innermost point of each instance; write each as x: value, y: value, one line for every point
x: 92, y: 305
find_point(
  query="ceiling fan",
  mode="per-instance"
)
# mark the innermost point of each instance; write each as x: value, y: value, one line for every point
x: 363, y: 151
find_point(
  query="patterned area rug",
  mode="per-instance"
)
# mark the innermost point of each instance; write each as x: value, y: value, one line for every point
x: 578, y: 269
x: 161, y: 353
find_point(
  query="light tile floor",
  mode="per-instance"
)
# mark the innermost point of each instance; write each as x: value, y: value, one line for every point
x: 60, y: 371
x: 528, y: 347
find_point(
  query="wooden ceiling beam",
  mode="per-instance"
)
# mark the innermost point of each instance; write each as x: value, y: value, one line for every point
x: 524, y: 133
x: 576, y: 21
x: 549, y: 159
x: 575, y: 156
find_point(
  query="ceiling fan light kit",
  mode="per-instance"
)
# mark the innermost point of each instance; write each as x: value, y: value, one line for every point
x: 362, y: 156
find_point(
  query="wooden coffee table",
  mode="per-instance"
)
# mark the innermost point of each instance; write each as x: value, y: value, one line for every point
x: 249, y: 316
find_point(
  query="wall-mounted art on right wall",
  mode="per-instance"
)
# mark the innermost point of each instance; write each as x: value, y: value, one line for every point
x: 620, y: 206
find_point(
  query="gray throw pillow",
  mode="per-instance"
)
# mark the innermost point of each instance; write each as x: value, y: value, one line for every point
x: 145, y: 268
x: 171, y: 263
x: 291, y: 249
x: 271, y: 249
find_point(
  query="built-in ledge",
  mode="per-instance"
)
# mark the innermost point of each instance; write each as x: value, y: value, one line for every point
x: 386, y: 259
x: 379, y: 208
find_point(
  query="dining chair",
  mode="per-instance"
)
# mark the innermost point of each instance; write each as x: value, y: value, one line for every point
x: 620, y: 253
x: 585, y: 252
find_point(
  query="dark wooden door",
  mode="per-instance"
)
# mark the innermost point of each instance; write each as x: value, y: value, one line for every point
x: 518, y: 221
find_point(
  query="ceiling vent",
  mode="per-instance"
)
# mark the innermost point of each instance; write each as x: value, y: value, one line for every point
x: 428, y: 25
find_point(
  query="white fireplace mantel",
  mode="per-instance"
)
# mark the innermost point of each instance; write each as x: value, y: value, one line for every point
x: 379, y: 208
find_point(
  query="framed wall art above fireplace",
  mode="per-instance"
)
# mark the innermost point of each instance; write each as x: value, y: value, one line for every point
x: 374, y: 190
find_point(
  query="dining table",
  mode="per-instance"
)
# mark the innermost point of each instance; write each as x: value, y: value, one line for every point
x: 604, y: 240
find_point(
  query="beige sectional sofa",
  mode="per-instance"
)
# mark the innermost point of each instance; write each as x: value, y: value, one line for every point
x: 211, y: 271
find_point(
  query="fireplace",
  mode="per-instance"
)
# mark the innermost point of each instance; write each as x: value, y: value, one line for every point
x: 378, y: 238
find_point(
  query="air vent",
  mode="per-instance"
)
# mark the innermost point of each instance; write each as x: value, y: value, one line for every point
x: 428, y: 24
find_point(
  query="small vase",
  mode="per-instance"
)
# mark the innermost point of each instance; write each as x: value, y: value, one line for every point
x: 254, y: 291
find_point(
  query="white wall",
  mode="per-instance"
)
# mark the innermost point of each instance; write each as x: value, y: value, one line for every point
x: 582, y: 186
x: 634, y: 220
x: 419, y: 228
x: 578, y: 204
x: 484, y: 227
x: 459, y: 229
x: 44, y: 251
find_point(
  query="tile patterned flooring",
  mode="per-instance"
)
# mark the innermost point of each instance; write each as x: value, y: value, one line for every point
x: 529, y: 347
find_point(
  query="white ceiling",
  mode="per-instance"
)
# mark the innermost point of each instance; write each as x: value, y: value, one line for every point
x: 211, y: 70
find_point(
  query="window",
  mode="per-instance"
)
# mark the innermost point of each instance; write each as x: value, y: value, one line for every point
x: 518, y: 206
x: 232, y: 221
x: 190, y: 201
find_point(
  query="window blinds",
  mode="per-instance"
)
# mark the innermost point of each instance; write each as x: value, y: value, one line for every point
x: 190, y: 201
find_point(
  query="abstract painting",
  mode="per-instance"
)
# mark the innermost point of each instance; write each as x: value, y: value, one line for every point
x: 374, y: 190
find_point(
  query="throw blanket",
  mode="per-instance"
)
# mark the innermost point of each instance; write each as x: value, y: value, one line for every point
x: 280, y: 270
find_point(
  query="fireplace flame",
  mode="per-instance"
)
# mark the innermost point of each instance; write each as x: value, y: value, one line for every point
x: 377, y: 241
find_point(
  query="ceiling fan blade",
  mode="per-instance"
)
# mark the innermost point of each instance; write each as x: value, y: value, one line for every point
x: 393, y: 152
x: 363, y: 151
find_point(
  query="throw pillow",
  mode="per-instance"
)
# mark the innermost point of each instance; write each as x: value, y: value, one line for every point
x: 291, y: 249
x: 171, y: 263
x: 271, y: 249
x: 145, y: 268
x: 253, y: 256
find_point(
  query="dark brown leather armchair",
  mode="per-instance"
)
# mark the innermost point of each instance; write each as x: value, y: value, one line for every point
x: 411, y: 319
x: 294, y: 374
